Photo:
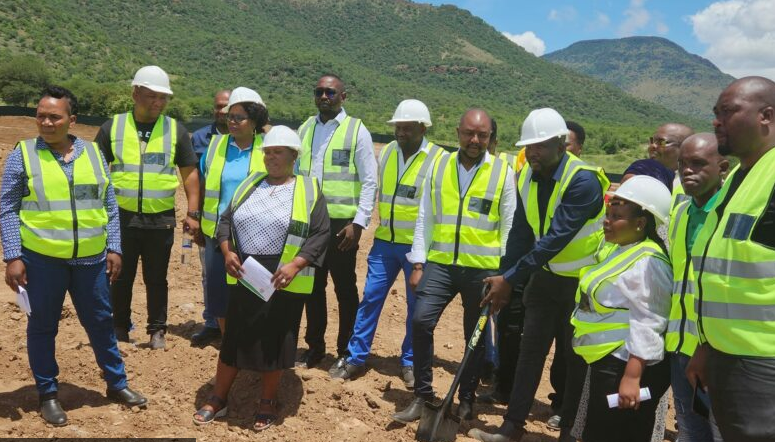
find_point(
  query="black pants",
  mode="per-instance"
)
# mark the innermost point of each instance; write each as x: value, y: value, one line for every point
x: 511, y: 321
x: 559, y: 370
x: 623, y: 424
x: 341, y: 265
x: 549, y: 303
x: 742, y: 395
x: 438, y: 287
x: 154, y: 247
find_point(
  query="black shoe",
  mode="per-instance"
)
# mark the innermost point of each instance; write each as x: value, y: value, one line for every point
x: 465, y: 410
x: 127, y: 397
x: 122, y: 334
x: 553, y: 422
x: 339, y: 365
x: 205, y: 336
x: 310, y: 358
x: 347, y: 371
x: 507, y: 432
x: 495, y: 397
x: 410, y: 413
x: 52, y: 411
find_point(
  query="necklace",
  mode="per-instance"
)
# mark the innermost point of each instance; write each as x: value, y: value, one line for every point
x: 275, y: 186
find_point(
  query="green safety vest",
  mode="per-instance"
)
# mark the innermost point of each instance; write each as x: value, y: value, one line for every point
x: 466, y: 228
x: 681, y: 333
x: 583, y: 250
x: 600, y: 330
x: 735, y: 275
x: 305, y: 196
x: 399, y: 196
x: 63, y: 218
x: 145, y: 182
x: 341, y: 185
x: 215, y: 161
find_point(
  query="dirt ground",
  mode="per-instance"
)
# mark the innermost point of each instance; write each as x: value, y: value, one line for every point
x: 175, y: 380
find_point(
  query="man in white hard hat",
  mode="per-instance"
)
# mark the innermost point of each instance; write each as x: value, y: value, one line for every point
x: 403, y: 166
x: 557, y: 230
x: 465, y: 214
x: 337, y: 150
x: 143, y: 147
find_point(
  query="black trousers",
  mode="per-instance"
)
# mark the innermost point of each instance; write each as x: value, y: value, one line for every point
x: 438, y: 287
x: 511, y: 321
x: 559, y: 370
x: 341, y: 265
x: 153, y: 246
x: 549, y: 302
x: 742, y: 395
x: 623, y: 424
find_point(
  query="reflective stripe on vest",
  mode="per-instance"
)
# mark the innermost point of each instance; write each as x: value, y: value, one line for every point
x: 681, y: 333
x: 145, y: 182
x: 466, y: 227
x: 63, y: 218
x: 399, y: 197
x: 583, y: 249
x: 305, y: 196
x: 735, y: 275
x: 341, y: 185
x: 215, y: 162
x: 600, y: 330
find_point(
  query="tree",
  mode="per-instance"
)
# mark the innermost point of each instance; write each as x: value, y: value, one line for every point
x: 22, y: 77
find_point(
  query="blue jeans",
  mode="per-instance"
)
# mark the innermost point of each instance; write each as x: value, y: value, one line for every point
x: 385, y: 261
x: 691, y: 426
x: 216, y: 289
x: 48, y: 279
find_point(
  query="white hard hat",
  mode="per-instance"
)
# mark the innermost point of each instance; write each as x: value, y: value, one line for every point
x: 153, y: 78
x: 411, y: 111
x: 243, y: 95
x: 282, y: 136
x: 649, y: 193
x: 541, y: 125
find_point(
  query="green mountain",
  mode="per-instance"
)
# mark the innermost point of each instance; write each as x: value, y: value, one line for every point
x: 386, y: 50
x: 651, y: 68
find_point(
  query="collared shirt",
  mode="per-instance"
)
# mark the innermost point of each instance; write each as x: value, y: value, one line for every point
x: 235, y: 169
x: 200, y: 139
x: 15, y: 188
x: 697, y: 216
x: 365, y: 163
x: 582, y: 201
x: 403, y: 164
x: 423, y: 231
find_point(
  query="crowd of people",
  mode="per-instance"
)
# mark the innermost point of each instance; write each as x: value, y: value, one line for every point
x: 664, y: 280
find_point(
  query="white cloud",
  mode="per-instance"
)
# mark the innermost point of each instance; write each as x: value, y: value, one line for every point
x: 529, y: 41
x: 564, y: 14
x: 739, y: 35
x: 637, y: 18
x: 601, y: 21
x: 661, y: 28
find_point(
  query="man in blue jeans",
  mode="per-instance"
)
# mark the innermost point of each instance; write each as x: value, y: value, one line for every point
x: 60, y: 233
x: 403, y: 165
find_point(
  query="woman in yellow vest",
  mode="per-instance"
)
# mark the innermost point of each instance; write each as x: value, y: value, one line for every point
x: 228, y: 161
x: 621, y: 316
x: 281, y: 221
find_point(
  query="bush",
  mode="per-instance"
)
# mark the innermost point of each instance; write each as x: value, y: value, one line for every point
x: 22, y: 78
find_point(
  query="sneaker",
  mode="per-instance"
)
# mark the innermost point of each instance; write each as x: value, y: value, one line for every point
x: 407, y: 374
x: 157, y: 340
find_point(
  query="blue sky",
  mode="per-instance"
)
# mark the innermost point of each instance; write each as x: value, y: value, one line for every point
x: 737, y: 35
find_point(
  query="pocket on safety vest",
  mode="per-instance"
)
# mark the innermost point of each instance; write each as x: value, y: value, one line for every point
x: 340, y: 157
x: 739, y: 226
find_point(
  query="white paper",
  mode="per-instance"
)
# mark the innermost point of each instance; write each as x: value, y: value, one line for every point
x: 257, y: 279
x: 23, y: 299
x: 613, y: 399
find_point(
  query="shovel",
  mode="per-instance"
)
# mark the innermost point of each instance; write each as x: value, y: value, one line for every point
x: 437, y: 422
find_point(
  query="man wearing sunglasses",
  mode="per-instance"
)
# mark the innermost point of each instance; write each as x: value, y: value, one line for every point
x: 337, y: 150
x: 664, y: 146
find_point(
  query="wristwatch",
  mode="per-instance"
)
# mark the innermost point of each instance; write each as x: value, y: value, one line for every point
x: 194, y: 214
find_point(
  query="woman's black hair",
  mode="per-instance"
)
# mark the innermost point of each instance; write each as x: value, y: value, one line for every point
x: 257, y: 113
x: 651, y: 228
x: 60, y: 92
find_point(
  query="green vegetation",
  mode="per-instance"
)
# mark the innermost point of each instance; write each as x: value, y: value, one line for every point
x: 651, y: 68
x: 21, y: 79
x: 386, y: 51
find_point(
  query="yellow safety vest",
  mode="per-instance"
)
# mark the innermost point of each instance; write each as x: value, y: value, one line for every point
x: 583, y: 250
x: 600, y: 330
x: 63, y: 218
x: 677, y: 197
x: 735, y: 275
x: 305, y: 196
x: 515, y: 160
x: 466, y: 229
x: 145, y: 182
x: 399, y: 196
x: 340, y: 183
x: 681, y: 333
x: 215, y: 161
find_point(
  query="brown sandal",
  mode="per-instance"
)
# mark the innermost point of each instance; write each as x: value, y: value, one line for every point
x: 268, y: 419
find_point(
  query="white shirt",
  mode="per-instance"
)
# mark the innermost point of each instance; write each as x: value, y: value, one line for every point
x: 365, y: 163
x: 262, y: 220
x: 645, y: 290
x: 423, y: 231
x: 403, y: 164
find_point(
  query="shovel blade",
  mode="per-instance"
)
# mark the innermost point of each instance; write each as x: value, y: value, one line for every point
x: 437, y: 424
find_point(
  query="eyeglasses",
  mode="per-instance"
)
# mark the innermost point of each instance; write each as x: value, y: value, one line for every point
x: 660, y: 142
x: 237, y: 118
x: 329, y: 92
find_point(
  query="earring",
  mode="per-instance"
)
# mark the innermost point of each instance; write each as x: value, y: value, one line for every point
x: 638, y: 229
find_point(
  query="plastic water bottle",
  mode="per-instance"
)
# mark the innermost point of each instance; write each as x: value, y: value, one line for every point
x: 186, y: 247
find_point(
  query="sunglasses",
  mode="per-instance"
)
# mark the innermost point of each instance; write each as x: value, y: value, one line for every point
x: 660, y: 142
x: 329, y: 92
x: 237, y: 118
